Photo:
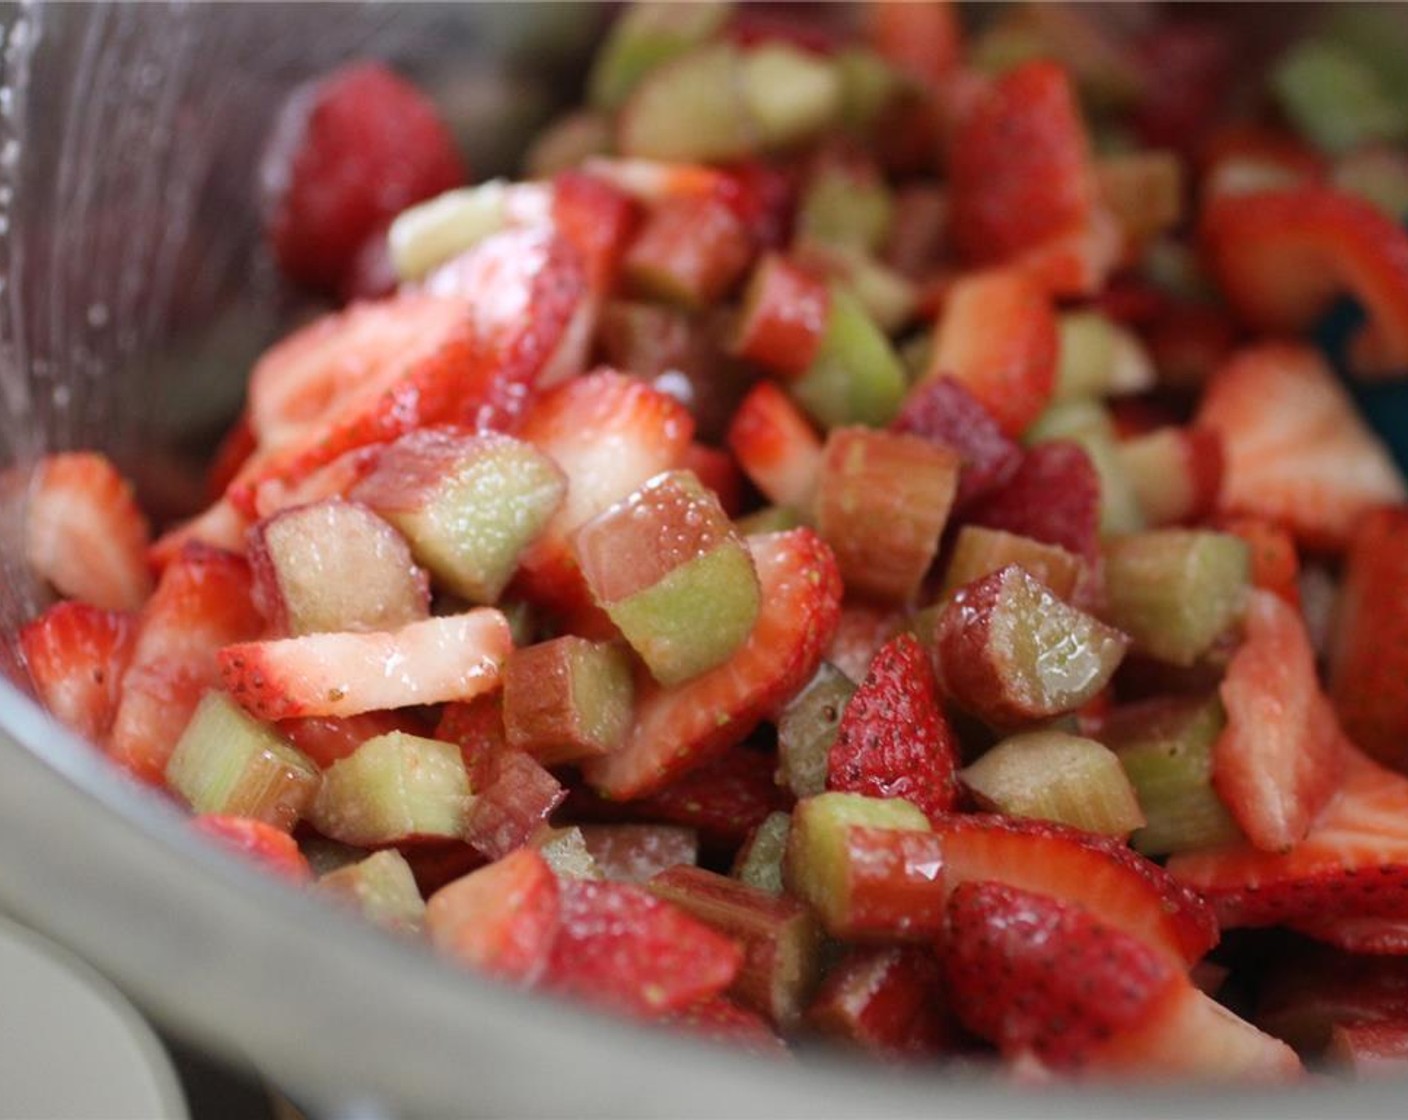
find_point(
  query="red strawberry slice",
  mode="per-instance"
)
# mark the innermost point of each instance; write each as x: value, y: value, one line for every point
x: 501, y: 919
x: 776, y: 446
x: 678, y: 729
x: 1019, y: 166
x: 348, y: 154
x: 328, y: 739
x: 238, y: 444
x: 334, y: 479
x: 636, y: 853
x: 1110, y: 880
x: 998, y: 337
x: 204, y: 601
x: 724, y: 799
x: 506, y: 812
x: 893, y: 739
x: 1277, y: 761
x: 84, y: 533
x: 721, y: 1020
x: 923, y: 40
x: 1275, y: 562
x: 1369, y: 651
x: 1295, y: 451
x: 453, y: 657
x: 1189, y: 66
x: 784, y: 315
x: 1053, y: 496
x: 1281, y: 256
x: 621, y: 947
x: 1036, y: 975
x: 860, y: 632
x: 220, y: 526
x: 76, y: 654
x: 1353, y: 863
x: 944, y: 410
x: 609, y: 433
x: 889, y: 1001
x: 477, y: 728
x: 598, y: 219
x: 272, y: 848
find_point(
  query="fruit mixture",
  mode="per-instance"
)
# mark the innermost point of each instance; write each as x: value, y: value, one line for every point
x: 857, y: 546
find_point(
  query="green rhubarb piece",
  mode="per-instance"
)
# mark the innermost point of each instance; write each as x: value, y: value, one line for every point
x: 807, y: 728
x: 1053, y: 776
x: 1087, y: 423
x: 846, y: 207
x: 394, y: 787
x: 1176, y: 591
x: 1099, y: 358
x: 228, y: 762
x: 1376, y: 35
x: 690, y: 110
x: 382, y: 888
x: 472, y: 505
x: 568, y: 142
x: 856, y: 378
x: 324, y: 855
x: 1334, y: 99
x: 868, y: 86
x: 567, y: 699
x: 979, y: 551
x: 1165, y: 746
x: 565, y: 851
x: 668, y: 567
x: 760, y: 861
x: 434, y: 231
x: 887, y: 297
x: 791, y: 94
x: 645, y: 36
x: 769, y: 519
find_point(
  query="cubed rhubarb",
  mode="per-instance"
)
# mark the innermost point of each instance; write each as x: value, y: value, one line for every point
x: 635, y: 853
x: 381, y: 888
x: 856, y: 377
x: 807, y: 728
x: 979, y: 551
x: 508, y: 812
x: 759, y: 862
x: 567, y: 698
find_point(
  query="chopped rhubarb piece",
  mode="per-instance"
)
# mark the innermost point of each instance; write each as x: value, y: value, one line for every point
x: 919, y: 231
x: 846, y: 204
x: 469, y: 504
x: 1099, y: 358
x: 669, y: 569
x: 1295, y: 451
x: 381, y: 888
x: 759, y: 862
x: 978, y: 552
x: 1176, y: 473
x: 568, y: 142
x: 202, y: 602
x: 269, y: 847
x: 780, y: 939
x: 689, y: 252
x: 477, y: 728
x: 427, y: 235
x: 893, y: 739
x: 783, y: 316
x: 1277, y: 762
x: 506, y: 813
x: 621, y: 947
x: 998, y: 337
x: 1053, y: 496
x: 456, y: 657
x: 84, y: 533
x: 334, y: 565
x: 882, y: 502
x: 76, y: 655
x: 806, y: 730
x: 1090, y: 425
x: 393, y: 788
x: 889, y: 1001
x: 567, y: 699
x: 1049, y: 775
x: 1144, y: 191
x: 690, y: 109
x: 944, y: 411
x: 326, y: 739
x: 1175, y: 592
x: 646, y: 36
x: 565, y: 851
x: 635, y: 853
x: 890, y: 299
x: 1370, y: 644
x: 776, y: 446
x: 856, y: 377
x: 791, y: 94
x: 1008, y: 651
x: 502, y: 919
x: 227, y: 763
x: 868, y: 867
x: 347, y: 155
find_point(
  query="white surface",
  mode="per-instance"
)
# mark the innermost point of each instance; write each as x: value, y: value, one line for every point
x: 70, y: 1045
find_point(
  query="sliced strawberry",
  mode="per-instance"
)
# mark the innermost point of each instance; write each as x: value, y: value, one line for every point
x: 1240, y: 156
x: 506, y: 812
x: 1053, y: 496
x: 1189, y: 342
x: 501, y: 919
x: 725, y: 799
x: 997, y: 336
x: 923, y: 40
x: 270, y: 847
x: 1031, y: 972
x: 1189, y: 65
x: 237, y: 445
x: 636, y: 853
x: 454, y: 657
x: 1295, y: 450
x: 609, y: 433
x: 719, y: 1019
x: 477, y: 728
x: 784, y: 317
x: 1369, y: 652
x: 204, y: 601
x: 893, y: 739
x: 76, y: 654
x: 1277, y: 761
x: 1384, y: 937
x: 1281, y: 255
x: 1275, y: 562
x: 220, y: 526
x: 328, y: 739
x: 944, y: 410
x: 334, y: 479
x: 719, y: 472
x: 1121, y: 887
x: 776, y: 446
x: 689, y: 251
x: 621, y: 947
x: 596, y: 217
x: 890, y: 1001
x: 1353, y: 863
x: 860, y: 632
x: 84, y: 533
x: 680, y: 728
x: 348, y: 154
